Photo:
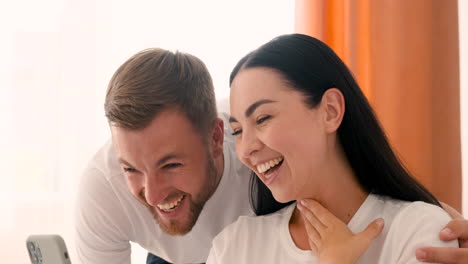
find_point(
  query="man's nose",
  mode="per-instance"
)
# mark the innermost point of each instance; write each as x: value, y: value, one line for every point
x: 156, y: 189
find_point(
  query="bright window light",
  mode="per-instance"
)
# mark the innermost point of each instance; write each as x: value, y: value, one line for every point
x: 57, y: 58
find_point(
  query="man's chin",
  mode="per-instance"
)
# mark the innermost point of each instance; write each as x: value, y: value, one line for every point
x: 180, y: 225
x: 174, y: 227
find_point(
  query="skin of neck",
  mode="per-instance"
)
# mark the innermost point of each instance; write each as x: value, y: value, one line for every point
x: 338, y: 191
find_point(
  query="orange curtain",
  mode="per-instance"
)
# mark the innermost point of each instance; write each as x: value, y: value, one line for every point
x: 405, y: 57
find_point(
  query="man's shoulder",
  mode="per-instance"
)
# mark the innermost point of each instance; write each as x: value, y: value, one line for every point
x: 104, y: 162
x: 103, y: 178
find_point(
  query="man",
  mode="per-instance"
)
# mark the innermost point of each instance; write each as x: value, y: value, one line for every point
x: 169, y: 180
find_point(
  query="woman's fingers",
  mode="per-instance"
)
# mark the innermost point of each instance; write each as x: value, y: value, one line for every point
x: 311, y: 218
x: 313, y: 236
x: 372, y: 231
x: 330, y: 238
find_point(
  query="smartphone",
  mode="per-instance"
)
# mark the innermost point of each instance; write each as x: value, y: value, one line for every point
x: 47, y: 249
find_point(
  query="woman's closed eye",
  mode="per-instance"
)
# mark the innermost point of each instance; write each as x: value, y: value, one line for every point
x: 236, y: 132
x: 262, y: 119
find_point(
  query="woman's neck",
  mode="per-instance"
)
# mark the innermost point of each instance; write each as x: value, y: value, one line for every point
x: 343, y: 205
x: 339, y: 192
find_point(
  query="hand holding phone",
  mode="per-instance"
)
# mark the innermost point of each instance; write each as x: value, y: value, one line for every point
x: 47, y: 249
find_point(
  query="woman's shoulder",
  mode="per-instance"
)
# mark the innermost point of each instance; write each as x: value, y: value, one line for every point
x: 398, y: 210
x: 419, y: 215
x: 417, y: 224
x: 414, y: 211
x: 408, y: 226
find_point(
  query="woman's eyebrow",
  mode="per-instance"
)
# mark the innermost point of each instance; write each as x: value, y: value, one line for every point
x: 255, y: 105
x: 252, y: 108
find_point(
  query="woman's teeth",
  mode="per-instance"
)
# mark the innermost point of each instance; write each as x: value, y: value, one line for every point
x: 268, y: 165
x: 171, y: 206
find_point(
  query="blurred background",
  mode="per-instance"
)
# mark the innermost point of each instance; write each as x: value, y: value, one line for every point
x: 57, y: 56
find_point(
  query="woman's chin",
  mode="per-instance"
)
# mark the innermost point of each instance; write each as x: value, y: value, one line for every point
x: 282, y: 197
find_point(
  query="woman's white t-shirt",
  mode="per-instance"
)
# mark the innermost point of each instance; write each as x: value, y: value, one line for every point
x: 266, y: 239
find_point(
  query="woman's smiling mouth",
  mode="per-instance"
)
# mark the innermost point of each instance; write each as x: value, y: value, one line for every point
x: 266, y: 167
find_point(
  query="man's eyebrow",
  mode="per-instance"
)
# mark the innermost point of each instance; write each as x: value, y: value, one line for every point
x: 121, y: 160
x: 170, y: 156
x: 160, y: 162
x: 255, y: 105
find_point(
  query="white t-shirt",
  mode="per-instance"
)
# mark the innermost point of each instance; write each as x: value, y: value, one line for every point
x: 108, y: 216
x: 266, y: 239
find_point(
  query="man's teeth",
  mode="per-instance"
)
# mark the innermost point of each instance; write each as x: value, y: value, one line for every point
x: 269, y: 164
x: 171, y: 206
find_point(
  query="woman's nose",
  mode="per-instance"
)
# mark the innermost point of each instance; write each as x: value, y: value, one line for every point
x: 249, y: 144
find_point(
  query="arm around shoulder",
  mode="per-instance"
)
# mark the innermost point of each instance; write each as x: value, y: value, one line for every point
x: 418, y: 225
x: 456, y: 229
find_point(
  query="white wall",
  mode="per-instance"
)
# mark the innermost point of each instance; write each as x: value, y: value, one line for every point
x: 57, y: 57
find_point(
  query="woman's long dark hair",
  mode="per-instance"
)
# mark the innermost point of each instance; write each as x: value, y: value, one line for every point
x: 311, y: 67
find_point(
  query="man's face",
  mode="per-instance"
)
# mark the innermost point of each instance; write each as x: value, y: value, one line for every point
x: 170, y: 168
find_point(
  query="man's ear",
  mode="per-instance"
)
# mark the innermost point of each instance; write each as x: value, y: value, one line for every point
x: 217, y: 138
x: 333, y: 104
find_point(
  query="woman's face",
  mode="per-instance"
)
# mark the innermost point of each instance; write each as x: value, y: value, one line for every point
x: 277, y: 136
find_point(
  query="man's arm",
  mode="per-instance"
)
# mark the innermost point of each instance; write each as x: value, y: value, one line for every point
x: 100, y: 223
x: 455, y: 229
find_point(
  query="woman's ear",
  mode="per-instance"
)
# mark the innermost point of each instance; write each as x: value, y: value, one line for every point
x: 333, y: 105
x: 217, y: 138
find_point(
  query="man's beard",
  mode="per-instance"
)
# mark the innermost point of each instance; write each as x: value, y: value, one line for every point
x: 195, y: 204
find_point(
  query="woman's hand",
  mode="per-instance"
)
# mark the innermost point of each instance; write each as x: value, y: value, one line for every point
x: 455, y: 229
x: 331, y: 239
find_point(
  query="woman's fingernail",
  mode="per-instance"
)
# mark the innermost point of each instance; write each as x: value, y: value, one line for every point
x: 421, y: 254
x: 304, y: 202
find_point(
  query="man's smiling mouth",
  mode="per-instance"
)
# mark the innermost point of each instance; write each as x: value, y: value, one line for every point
x: 169, y: 207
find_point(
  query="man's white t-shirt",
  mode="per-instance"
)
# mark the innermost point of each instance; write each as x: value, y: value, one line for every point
x: 266, y: 239
x: 108, y: 216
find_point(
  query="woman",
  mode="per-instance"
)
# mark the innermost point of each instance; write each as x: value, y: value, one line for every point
x: 306, y: 130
